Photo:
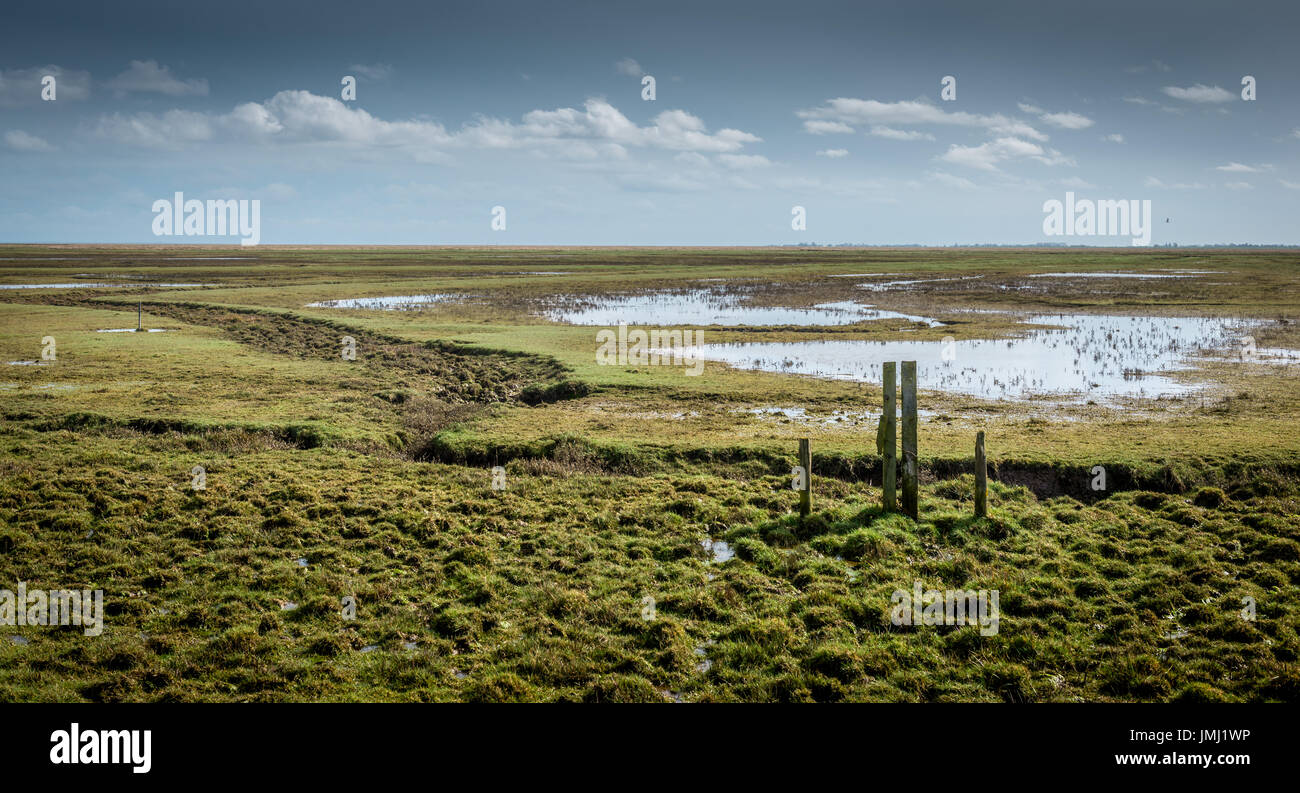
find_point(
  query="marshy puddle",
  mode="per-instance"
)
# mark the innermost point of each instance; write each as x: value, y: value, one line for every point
x: 1091, y: 356
x: 887, y: 285
x: 702, y: 652
x: 1144, y: 276
x: 720, y: 550
x: 288, y: 605
x: 712, y: 307
x: 369, y: 648
x: 89, y: 286
x: 393, y: 303
x: 18, y: 640
x: 131, y: 330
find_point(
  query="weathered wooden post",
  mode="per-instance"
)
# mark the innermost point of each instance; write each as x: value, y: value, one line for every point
x: 887, y: 439
x: 909, y: 439
x: 805, y: 494
x: 981, y: 478
x: 139, y: 310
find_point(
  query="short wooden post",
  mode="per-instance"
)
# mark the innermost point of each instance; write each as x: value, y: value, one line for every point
x: 805, y: 462
x: 139, y: 310
x: 981, y: 478
x: 909, y: 439
x: 889, y: 440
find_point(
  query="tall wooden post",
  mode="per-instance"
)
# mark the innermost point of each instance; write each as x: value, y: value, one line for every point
x: 888, y: 446
x: 909, y: 439
x: 139, y: 310
x: 981, y: 478
x: 805, y: 461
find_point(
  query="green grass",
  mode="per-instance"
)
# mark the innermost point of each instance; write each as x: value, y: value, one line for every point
x: 375, y: 471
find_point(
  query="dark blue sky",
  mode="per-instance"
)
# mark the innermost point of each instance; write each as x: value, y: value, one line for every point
x: 760, y: 107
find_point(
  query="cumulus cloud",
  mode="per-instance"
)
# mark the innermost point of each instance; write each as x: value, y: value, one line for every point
x: 949, y: 180
x: 1063, y: 120
x: 170, y: 130
x: 23, y: 141
x: 852, y: 113
x: 741, y: 162
x: 834, y: 127
x: 898, y: 134
x: 373, y: 71
x: 596, y: 130
x: 833, y: 154
x: 1237, y: 167
x: 23, y: 86
x: 629, y: 67
x: 149, y: 77
x: 1159, y: 66
x: 1067, y: 120
x: 1152, y: 181
x: 1113, y: 137
x: 1199, y: 93
x: 1239, y: 186
x: 987, y: 156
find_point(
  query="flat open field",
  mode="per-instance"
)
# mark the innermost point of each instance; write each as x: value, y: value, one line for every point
x: 644, y: 542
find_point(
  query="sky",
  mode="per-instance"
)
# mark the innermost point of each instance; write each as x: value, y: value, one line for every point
x: 759, y: 107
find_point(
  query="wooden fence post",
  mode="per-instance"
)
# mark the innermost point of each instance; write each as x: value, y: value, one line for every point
x: 887, y: 447
x: 805, y: 495
x: 981, y: 478
x: 909, y: 440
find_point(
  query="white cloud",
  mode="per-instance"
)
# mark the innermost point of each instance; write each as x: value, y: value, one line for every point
x: 1076, y: 183
x: 597, y: 130
x: 741, y: 162
x: 949, y: 180
x: 629, y: 67
x: 834, y: 154
x: 1160, y: 66
x: 375, y: 71
x: 1114, y: 137
x: 831, y: 127
x: 171, y: 130
x: 659, y: 183
x: 149, y: 77
x: 986, y: 156
x: 898, y: 134
x: 1152, y: 181
x: 1238, y: 186
x: 23, y: 86
x: 1067, y: 120
x: 1137, y: 100
x: 1199, y: 93
x: 23, y: 141
x: 844, y: 111
x: 1237, y: 167
x: 1290, y: 185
